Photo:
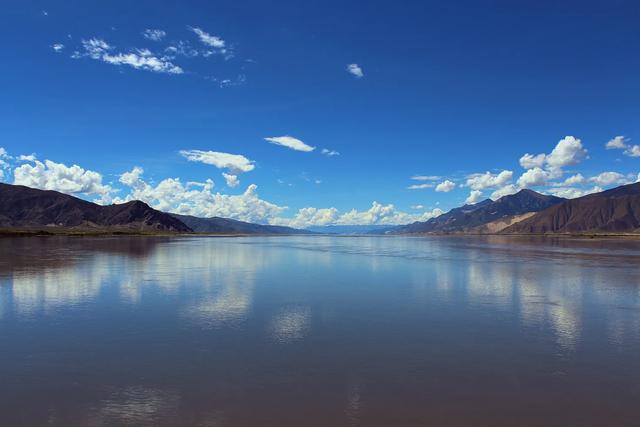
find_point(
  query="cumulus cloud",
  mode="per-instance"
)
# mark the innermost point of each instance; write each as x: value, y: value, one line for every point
x: 59, y: 177
x: 488, y: 180
x: 330, y: 153
x: 568, y: 152
x: 57, y: 47
x: 232, y: 180
x: 609, y: 178
x: 529, y: 161
x: 171, y: 195
x: 572, y: 192
x: 474, y: 197
x: 290, y: 142
x: 632, y: 151
x: 155, y: 35
x: 622, y: 143
x: 618, y: 142
x: 233, y: 162
x: 141, y: 59
x: 420, y: 186
x: 27, y: 157
x: 533, y: 178
x: 445, y: 186
x: 504, y: 191
x: 356, y: 70
x: 573, y: 180
x: 378, y: 214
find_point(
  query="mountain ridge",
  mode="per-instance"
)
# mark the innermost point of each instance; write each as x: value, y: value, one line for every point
x: 467, y: 217
x: 610, y: 211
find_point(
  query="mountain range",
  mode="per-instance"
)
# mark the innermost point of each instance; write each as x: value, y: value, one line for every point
x: 26, y: 208
x: 615, y: 211
x: 231, y: 226
x: 472, y: 218
x: 29, y: 208
x: 611, y: 211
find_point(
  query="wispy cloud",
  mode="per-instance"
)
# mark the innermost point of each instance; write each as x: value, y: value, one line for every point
x: 155, y: 35
x: 329, y: 153
x: 57, y: 47
x: 142, y: 59
x: 425, y: 178
x: 420, y: 186
x: 290, y: 142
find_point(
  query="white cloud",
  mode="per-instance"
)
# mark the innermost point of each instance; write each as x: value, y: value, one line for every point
x: 3, y: 153
x: 573, y: 180
x: 529, y: 161
x: 474, y: 197
x: 57, y: 47
x: 171, y: 195
x: 1, y: 174
x: 215, y: 44
x: 155, y: 35
x: 533, y: 178
x: 420, y: 186
x: 488, y: 180
x: 307, y: 217
x: 27, y: 158
x: 208, y: 39
x: 618, y: 142
x: 622, y: 143
x: 504, y: 191
x: 290, y: 142
x: 425, y: 178
x: 608, y: 178
x: 330, y: 153
x: 445, y: 186
x: 142, y: 59
x: 572, y: 192
x: 59, y: 177
x: 232, y: 180
x: 356, y: 70
x: 378, y: 214
x: 569, y: 151
x: 632, y: 151
x: 233, y: 162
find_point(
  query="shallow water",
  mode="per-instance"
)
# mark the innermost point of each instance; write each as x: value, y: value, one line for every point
x: 319, y: 331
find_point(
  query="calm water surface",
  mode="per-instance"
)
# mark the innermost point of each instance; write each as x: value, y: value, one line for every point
x: 319, y: 331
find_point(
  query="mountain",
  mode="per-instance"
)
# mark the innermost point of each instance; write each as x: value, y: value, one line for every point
x: 349, y: 229
x: 29, y: 208
x: 611, y: 211
x: 231, y: 226
x: 469, y: 217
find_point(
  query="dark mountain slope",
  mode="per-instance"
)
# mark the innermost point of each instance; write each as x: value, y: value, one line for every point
x: 224, y: 225
x: 469, y: 216
x: 24, y: 207
x: 612, y: 211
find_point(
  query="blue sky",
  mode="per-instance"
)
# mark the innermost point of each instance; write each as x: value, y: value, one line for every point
x: 444, y: 91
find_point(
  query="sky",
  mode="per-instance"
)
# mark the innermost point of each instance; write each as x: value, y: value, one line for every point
x: 319, y: 112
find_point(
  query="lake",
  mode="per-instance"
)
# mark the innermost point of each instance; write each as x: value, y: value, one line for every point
x: 319, y: 331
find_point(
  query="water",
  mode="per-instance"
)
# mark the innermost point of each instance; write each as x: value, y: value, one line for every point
x: 319, y: 331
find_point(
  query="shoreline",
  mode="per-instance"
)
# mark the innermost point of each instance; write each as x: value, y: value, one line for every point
x: 130, y: 233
